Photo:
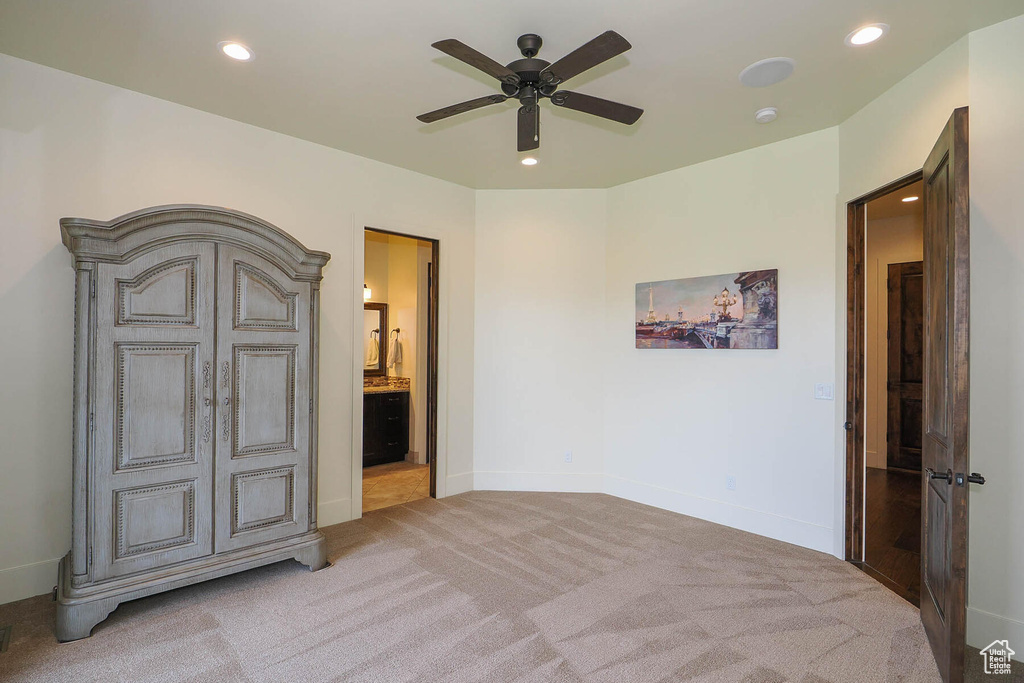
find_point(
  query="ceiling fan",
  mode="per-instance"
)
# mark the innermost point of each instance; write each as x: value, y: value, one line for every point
x: 531, y: 79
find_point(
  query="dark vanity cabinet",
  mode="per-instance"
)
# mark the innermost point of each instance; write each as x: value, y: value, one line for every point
x: 385, y: 427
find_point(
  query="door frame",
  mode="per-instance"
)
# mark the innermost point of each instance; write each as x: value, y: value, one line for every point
x: 433, y: 343
x: 856, y: 331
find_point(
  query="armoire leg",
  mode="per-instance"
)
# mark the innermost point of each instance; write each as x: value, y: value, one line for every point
x: 76, y: 621
x: 313, y: 556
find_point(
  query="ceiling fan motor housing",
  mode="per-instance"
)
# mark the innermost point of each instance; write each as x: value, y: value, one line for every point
x: 528, y: 71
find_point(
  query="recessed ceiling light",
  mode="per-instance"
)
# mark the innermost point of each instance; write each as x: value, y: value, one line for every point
x: 909, y: 199
x: 236, y: 50
x: 529, y: 161
x: 767, y: 72
x: 867, y: 34
x: 766, y: 115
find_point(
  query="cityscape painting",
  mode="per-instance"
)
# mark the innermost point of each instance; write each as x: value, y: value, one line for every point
x: 733, y: 311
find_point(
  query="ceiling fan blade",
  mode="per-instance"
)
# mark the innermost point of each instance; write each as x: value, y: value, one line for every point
x: 529, y: 127
x: 606, y: 109
x: 464, y: 53
x: 600, y: 49
x: 461, y: 108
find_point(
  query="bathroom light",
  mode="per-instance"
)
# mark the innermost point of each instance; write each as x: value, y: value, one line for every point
x: 867, y: 34
x: 529, y: 161
x: 366, y: 292
x: 236, y: 51
x: 911, y: 198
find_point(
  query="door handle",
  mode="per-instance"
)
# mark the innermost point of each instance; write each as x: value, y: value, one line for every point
x: 947, y: 476
x: 225, y: 374
x: 973, y: 478
x: 226, y: 425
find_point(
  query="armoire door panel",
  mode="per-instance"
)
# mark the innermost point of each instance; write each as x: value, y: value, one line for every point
x: 264, y: 399
x: 262, y: 498
x: 151, y: 487
x: 162, y: 295
x: 265, y: 338
x: 154, y: 412
x: 150, y: 518
x: 261, y: 302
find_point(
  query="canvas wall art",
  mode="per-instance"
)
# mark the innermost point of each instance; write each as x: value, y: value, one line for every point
x: 733, y: 311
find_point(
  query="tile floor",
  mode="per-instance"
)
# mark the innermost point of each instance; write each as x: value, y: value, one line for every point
x: 393, y: 484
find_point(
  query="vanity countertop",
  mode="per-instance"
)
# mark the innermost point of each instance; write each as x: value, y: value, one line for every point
x: 386, y: 385
x: 386, y: 389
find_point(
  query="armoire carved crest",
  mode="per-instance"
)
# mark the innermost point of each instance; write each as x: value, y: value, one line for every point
x: 195, y: 405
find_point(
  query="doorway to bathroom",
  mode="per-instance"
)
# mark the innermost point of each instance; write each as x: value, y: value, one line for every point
x: 400, y: 313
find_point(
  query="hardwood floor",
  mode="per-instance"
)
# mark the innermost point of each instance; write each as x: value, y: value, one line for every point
x: 393, y: 484
x: 892, y: 530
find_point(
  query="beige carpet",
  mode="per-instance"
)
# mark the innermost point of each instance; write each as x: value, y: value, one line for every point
x: 491, y: 586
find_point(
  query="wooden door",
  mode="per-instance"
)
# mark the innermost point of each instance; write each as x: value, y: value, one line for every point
x: 945, y: 446
x: 264, y: 403
x: 905, y: 365
x: 150, y: 484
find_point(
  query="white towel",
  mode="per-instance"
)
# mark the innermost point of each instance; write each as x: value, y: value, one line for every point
x: 372, y: 353
x: 394, y: 352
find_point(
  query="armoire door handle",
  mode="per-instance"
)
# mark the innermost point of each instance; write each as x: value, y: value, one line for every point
x: 208, y: 419
x: 946, y: 476
x: 225, y: 375
x: 226, y: 425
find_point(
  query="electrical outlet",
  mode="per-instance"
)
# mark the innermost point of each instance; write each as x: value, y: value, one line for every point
x: 730, y: 483
x: 824, y: 391
x: 568, y: 456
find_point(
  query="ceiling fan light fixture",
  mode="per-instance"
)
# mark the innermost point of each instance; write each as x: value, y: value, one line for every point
x: 528, y: 161
x: 236, y: 50
x: 867, y: 34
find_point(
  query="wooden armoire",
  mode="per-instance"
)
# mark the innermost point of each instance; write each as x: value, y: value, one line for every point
x: 195, y: 405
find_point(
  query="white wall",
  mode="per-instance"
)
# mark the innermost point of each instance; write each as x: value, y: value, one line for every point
x: 540, y: 295
x: 677, y: 423
x: 74, y: 147
x: 996, y: 571
x: 899, y: 239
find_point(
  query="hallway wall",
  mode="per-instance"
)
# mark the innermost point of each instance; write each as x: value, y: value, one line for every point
x: 899, y: 239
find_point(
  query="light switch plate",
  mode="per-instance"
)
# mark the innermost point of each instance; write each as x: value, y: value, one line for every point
x: 825, y: 391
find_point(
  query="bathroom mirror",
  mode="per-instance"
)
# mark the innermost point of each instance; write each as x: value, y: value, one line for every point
x: 375, y: 339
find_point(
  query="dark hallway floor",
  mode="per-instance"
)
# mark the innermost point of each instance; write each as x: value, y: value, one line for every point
x: 892, y: 533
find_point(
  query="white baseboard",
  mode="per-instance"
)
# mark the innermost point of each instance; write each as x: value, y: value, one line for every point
x: 334, y: 511
x: 563, y: 482
x: 780, y: 528
x: 454, y: 484
x: 984, y: 627
x: 28, y: 580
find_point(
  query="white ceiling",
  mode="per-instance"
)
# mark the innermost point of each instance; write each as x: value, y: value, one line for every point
x: 353, y: 75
